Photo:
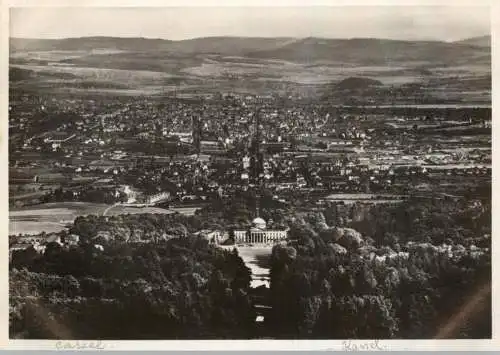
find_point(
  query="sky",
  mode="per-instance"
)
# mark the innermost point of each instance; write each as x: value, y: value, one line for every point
x: 177, y: 23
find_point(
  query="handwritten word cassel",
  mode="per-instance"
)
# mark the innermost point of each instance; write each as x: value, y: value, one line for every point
x: 80, y: 345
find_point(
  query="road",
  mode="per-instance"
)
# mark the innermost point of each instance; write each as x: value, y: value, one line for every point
x: 110, y: 207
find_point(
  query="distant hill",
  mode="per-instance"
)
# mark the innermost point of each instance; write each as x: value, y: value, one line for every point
x: 482, y: 41
x: 354, y: 83
x: 215, y: 45
x: 369, y: 51
x: 230, y: 46
x: 88, y: 43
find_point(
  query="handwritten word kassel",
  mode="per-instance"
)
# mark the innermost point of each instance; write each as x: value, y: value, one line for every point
x: 350, y: 345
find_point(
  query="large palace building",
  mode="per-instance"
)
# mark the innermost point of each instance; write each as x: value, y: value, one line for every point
x: 259, y: 234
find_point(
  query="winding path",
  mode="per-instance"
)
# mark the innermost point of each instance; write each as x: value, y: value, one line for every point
x: 110, y: 207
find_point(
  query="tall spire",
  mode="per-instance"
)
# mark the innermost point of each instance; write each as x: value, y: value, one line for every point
x: 196, y: 132
x: 257, y: 125
x: 257, y: 205
x: 256, y: 156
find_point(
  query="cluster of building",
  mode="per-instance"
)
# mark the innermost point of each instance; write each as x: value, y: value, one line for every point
x: 38, y: 243
x: 200, y: 149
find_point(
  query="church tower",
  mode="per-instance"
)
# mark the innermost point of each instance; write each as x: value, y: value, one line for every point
x: 257, y: 158
x: 196, y: 133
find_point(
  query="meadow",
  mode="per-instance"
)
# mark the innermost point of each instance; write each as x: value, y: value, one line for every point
x: 54, y: 217
x: 118, y: 72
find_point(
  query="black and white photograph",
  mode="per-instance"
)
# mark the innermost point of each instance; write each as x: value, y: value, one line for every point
x: 250, y: 173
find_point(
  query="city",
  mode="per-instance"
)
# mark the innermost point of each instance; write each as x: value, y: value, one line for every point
x: 197, y: 208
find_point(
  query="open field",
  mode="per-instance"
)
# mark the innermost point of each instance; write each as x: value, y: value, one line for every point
x: 156, y: 69
x: 365, y: 198
x: 100, y: 74
x: 50, y: 217
x: 53, y: 217
x: 56, y: 55
x: 208, y: 65
x: 362, y: 196
x: 34, y: 227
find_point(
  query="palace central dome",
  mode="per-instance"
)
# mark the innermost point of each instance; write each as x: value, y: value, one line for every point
x: 259, y: 223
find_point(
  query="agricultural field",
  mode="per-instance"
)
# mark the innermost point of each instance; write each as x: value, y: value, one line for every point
x: 188, y: 68
x: 54, y: 217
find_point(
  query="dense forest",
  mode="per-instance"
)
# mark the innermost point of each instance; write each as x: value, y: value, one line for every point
x: 181, y: 288
x: 413, y: 269
x: 346, y: 271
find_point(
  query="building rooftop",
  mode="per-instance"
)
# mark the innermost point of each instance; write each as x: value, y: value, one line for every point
x: 259, y: 223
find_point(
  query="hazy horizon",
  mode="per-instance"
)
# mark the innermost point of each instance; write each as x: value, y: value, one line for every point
x: 412, y: 23
x: 229, y: 36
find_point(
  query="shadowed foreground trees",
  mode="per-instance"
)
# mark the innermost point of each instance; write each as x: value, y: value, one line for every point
x: 340, y: 285
x: 395, y: 272
x: 182, y: 288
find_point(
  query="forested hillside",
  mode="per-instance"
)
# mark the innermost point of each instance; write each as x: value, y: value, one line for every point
x: 422, y: 265
x: 182, y: 288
